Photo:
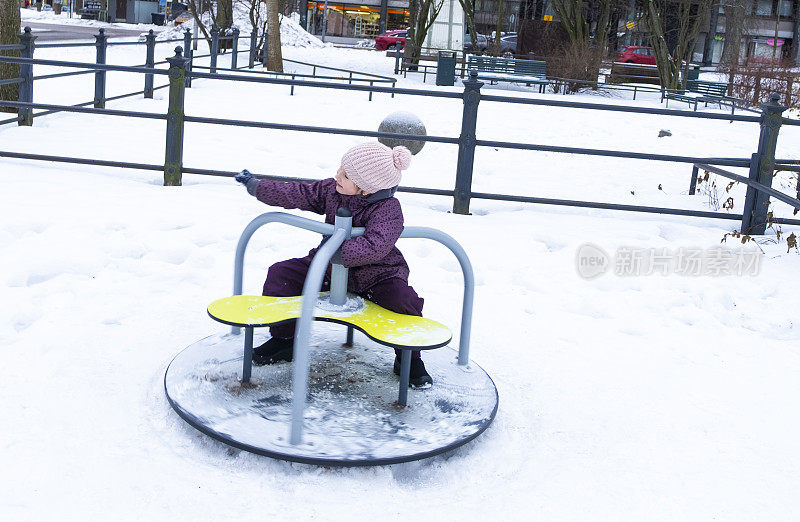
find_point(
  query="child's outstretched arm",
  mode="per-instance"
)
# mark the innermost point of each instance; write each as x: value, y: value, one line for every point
x: 382, y: 230
x: 286, y: 194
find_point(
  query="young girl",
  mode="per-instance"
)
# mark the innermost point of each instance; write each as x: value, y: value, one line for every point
x: 364, y: 184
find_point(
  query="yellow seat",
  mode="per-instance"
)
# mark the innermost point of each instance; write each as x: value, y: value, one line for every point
x: 377, y: 323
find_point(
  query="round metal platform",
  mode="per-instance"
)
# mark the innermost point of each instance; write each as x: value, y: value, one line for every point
x: 351, y: 418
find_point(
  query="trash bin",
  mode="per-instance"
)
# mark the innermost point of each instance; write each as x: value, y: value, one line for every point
x: 446, y: 68
x: 158, y: 18
x: 694, y: 72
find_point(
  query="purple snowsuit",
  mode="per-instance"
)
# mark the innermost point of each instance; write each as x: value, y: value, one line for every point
x: 377, y: 269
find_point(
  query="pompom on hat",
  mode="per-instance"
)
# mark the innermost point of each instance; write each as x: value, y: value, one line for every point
x: 373, y: 166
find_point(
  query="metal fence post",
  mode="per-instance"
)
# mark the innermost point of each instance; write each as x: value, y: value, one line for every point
x: 253, y: 43
x: 25, y: 114
x: 397, y: 59
x: 466, y: 144
x: 266, y: 49
x: 188, y: 54
x: 754, y: 219
x: 693, y: 182
x: 173, y: 159
x: 149, y: 62
x: 234, y: 48
x: 214, y: 48
x: 100, y: 76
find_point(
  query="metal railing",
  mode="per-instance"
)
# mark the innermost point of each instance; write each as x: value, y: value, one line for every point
x: 101, y: 43
x: 762, y: 163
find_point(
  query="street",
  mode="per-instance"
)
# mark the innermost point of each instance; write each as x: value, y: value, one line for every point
x: 55, y: 32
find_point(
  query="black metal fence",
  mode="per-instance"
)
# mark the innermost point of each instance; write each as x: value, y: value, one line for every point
x: 762, y: 164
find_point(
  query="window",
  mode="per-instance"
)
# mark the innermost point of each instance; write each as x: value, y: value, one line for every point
x: 764, y: 7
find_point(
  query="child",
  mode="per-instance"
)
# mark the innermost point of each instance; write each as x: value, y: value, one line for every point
x: 364, y: 184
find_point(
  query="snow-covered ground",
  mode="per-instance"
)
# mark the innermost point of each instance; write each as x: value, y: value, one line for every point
x: 621, y: 397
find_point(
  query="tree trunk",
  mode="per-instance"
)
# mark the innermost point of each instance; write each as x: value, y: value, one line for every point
x: 9, y: 35
x: 735, y: 15
x: 469, y: 17
x: 224, y: 21
x: 501, y: 7
x: 274, y: 55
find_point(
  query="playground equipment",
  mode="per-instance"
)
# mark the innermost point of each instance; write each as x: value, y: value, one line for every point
x: 334, y: 404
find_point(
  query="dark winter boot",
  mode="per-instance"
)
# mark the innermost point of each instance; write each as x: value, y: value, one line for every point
x: 418, y: 376
x: 272, y: 351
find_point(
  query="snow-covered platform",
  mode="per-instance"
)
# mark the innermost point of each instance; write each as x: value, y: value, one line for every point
x: 351, y: 417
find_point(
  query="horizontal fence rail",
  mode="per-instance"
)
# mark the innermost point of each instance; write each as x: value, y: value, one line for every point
x: 762, y: 164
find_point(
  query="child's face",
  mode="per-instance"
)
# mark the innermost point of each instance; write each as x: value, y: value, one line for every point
x: 345, y: 186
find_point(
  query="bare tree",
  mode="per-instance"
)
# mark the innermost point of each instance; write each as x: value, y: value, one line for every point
x: 674, y: 26
x: 422, y: 14
x: 9, y: 35
x: 588, y: 30
x: 736, y: 17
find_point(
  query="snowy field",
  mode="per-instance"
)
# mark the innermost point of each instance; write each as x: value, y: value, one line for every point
x: 623, y: 397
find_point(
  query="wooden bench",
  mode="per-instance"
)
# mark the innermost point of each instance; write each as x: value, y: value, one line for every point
x: 700, y: 91
x: 509, y: 70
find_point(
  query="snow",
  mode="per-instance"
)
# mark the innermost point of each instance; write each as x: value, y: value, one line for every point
x: 292, y: 34
x: 621, y: 397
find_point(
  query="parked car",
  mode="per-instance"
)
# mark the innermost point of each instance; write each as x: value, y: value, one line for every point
x: 636, y: 54
x: 483, y: 43
x: 508, y: 44
x: 391, y: 39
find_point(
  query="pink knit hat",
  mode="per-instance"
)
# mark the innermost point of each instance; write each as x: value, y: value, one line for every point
x: 374, y: 166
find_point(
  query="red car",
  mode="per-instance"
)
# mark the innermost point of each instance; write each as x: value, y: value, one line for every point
x: 391, y: 39
x: 636, y: 54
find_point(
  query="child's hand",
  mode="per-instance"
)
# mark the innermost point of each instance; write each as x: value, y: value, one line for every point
x: 243, y: 177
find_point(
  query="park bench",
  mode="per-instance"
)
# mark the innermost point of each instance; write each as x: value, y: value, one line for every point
x: 633, y: 73
x: 700, y: 91
x: 509, y: 70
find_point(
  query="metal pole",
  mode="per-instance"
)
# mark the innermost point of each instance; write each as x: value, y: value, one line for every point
x: 343, y: 220
x: 397, y: 59
x: 234, y: 48
x: 253, y: 43
x: 189, y: 54
x: 750, y: 195
x: 266, y: 49
x: 100, y: 76
x: 311, y: 287
x: 324, y: 20
x: 466, y: 144
x: 214, y: 48
x: 194, y: 36
x: 384, y: 15
x: 693, y: 182
x: 25, y: 114
x: 304, y: 14
x: 173, y: 159
x: 149, y: 62
x: 247, y: 360
x: 754, y: 219
x: 796, y: 33
x: 349, y: 341
x: 405, y: 369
